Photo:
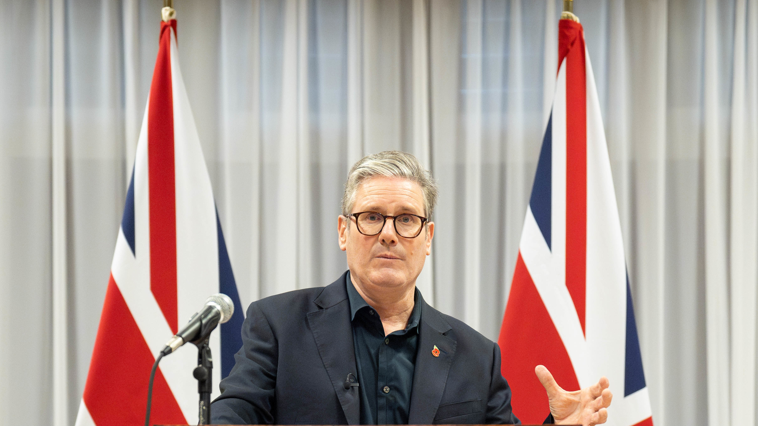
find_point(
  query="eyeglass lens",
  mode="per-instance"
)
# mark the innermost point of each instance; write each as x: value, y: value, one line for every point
x: 406, y: 225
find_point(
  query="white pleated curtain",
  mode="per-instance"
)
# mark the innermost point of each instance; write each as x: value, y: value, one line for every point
x: 287, y: 95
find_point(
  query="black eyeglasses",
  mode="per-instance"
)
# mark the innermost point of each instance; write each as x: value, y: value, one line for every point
x: 406, y: 225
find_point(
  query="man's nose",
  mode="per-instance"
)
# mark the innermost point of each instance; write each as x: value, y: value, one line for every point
x: 388, y: 234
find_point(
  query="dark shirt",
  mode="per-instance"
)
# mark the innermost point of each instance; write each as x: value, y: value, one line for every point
x: 385, y: 363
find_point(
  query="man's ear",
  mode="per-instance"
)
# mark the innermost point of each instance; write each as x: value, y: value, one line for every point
x: 429, y: 236
x: 342, y: 230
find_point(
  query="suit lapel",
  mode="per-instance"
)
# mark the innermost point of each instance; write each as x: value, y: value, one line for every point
x: 431, y: 372
x: 332, y: 331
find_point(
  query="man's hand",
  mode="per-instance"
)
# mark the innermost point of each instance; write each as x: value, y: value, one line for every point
x: 587, y: 407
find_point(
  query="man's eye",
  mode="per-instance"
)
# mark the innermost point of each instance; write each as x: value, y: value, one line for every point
x: 373, y: 217
x: 405, y: 219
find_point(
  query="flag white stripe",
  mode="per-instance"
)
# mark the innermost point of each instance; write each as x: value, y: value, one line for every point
x: 197, y: 237
x: 132, y: 272
x: 554, y: 293
x: 606, y: 266
x: 83, y: 418
x: 558, y: 179
x: 630, y: 410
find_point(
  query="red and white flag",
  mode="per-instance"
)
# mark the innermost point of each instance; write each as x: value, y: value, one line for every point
x: 170, y: 256
x: 570, y: 307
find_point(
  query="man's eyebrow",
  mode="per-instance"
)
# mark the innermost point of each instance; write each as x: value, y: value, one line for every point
x: 376, y: 208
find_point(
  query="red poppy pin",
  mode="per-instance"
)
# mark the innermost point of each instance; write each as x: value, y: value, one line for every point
x: 436, y: 351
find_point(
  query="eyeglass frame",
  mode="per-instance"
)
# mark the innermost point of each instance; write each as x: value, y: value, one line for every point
x: 394, y: 223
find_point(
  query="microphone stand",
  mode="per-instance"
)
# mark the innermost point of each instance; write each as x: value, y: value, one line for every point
x: 203, y: 374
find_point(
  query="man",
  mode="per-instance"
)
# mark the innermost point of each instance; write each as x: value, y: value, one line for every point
x: 367, y: 349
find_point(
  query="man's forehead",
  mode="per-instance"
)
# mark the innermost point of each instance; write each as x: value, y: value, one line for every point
x: 389, y: 189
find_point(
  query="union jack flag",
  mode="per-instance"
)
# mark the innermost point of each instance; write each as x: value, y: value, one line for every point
x: 170, y: 256
x: 570, y: 307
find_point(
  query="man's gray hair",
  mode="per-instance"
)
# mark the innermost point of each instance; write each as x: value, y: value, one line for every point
x: 392, y: 164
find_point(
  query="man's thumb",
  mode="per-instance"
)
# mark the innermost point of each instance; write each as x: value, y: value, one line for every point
x: 547, y: 380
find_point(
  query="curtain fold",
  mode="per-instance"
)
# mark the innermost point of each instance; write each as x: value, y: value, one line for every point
x: 743, y: 244
x: 647, y: 259
x: 288, y: 95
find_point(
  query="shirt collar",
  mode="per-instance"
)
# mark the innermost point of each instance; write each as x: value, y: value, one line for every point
x: 357, y: 303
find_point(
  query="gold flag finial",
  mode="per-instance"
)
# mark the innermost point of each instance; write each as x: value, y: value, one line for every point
x: 168, y: 13
x: 568, y: 11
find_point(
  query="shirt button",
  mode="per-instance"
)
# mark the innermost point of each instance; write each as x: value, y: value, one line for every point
x: 387, y: 341
x: 386, y: 389
x: 371, y: 312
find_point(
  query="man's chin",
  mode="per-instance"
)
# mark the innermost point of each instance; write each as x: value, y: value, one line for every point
x: 388, y: 277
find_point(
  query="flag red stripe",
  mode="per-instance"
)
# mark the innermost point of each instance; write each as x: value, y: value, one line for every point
x: 529, y: 338
x: 647, y: 422
x: 117, y: 381
x: 571, y: 41
x: 160, y: 149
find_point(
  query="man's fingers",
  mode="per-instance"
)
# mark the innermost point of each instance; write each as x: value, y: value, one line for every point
x: 598, y: 418
x: 547, y: 380
x: 602, y: 416
x: 598, y: 388
x: 602, y: 401
x: 604, y: 383
x: 607, y: 397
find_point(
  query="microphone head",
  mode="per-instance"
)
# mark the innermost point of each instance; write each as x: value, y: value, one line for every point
x: 224, y: 304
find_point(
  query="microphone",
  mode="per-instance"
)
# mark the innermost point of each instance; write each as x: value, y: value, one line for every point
x: 218, y: 310
x: 350, y: 382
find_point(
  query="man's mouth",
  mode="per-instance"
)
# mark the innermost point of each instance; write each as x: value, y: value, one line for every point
x: 388, y: 256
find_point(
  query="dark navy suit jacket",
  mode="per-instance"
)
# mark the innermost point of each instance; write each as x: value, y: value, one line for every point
x: 298, y: 351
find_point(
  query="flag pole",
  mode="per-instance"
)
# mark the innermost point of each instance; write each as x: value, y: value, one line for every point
x: 568, y: 11
x: 168, y: 13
